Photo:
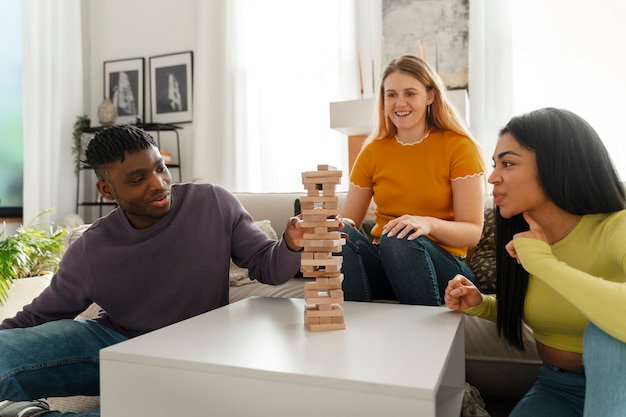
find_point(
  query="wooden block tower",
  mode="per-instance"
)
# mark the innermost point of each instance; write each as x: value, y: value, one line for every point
x: 323, y: 297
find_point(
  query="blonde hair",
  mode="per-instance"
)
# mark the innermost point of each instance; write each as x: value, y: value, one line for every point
x: 442, y: 115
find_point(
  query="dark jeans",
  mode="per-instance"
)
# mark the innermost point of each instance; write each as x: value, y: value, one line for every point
x: 410, y: 271
x: 56, y: 359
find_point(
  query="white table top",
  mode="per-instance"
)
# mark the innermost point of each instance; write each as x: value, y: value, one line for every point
x: 390, y: 348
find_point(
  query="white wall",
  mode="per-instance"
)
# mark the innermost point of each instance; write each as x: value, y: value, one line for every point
x: 122, y: 29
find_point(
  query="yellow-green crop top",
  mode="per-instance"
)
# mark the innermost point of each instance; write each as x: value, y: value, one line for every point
x: 579, y: 279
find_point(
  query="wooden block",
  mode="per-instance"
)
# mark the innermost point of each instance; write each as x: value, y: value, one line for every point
x: 336, y: 293
x: 337, y: 319
x: 313, y: 272
x: 326, y: 168
x: 328, y: 242
x: 321, y: 174
x: 306, y: 255
x: 314, y: 217
x: 320, y: 211
x: 322, y: 180
x: 325, y: 327
x: 333, y: 311
x: 324, y: 284
x: 325, y: 235
x: 328, y: 191
x: 326, y: 320
x: 332, y: 261
x: 329, y: 249
x: 329, y: 223
x: 322, y: 299
x: 319, y: 199
x: 311, y: 293
x: 333, y: 268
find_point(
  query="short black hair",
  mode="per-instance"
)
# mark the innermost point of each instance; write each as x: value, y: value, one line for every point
x: 112, y: 144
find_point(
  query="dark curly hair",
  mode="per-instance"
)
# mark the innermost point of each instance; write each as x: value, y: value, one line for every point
x: 112, y: 144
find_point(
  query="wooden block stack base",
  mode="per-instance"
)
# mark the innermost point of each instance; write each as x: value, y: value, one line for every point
x: 323, y: 297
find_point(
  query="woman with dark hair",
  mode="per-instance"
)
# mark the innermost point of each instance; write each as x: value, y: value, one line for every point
x: 560, y: 261
x: 426, y: 176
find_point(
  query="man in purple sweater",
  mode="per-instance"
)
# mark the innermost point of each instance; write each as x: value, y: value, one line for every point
x: 161, y: 257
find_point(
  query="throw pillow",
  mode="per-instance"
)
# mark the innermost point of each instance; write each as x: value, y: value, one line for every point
x: 239, y: 276
x: 483, y: 261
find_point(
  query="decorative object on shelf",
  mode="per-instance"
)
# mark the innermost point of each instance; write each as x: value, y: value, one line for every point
x: 167, y: 156
x: 171, y: 88
x: 33, y: 251
x: 81, y: 123
x: 124, y: 85
x: 107, y: 112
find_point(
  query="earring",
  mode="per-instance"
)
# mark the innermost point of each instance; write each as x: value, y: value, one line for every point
x: 428, y: 110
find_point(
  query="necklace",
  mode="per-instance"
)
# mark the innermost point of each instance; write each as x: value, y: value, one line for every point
x: 413, y: 143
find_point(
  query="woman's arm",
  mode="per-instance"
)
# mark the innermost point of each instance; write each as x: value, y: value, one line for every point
x: 355, y: 207
x: 464, y: 231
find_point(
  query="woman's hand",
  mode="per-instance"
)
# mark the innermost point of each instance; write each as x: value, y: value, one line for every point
x: 408, y: 226
x: 535, y: 232
x: 461, y: 293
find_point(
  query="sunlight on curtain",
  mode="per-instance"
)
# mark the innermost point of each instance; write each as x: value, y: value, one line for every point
x: 53, y: 97
x: 570, y: 54
x: 291, y: 59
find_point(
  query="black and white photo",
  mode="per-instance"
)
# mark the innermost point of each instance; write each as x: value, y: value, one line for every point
x: 171, y: 87
x: 124, y: 86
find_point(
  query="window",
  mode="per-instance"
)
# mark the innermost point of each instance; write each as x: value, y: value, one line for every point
x: 291, y: 60
x: 11, y: 136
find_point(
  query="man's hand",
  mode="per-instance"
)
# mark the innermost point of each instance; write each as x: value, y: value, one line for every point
x: 294, y: 233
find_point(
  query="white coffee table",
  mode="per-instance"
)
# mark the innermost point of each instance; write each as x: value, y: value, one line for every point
x: 254, y: 357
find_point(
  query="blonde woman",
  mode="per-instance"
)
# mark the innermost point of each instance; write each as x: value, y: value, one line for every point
x: 426, y: 176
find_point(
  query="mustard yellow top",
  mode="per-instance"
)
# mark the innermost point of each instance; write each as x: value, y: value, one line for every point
x: 579, y: 279
x: 416, y: 179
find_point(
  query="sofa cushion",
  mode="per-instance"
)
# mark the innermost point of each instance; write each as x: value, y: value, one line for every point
x: 483, y: 260
x: 239, y: 276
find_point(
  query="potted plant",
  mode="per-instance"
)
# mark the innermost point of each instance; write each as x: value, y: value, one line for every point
x: 81, y: 123
x: 28, y: 259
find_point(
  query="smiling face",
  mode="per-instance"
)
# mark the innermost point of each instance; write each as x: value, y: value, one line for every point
x: 515, y: 179
x: 140, y: 185
x: 405, y: 100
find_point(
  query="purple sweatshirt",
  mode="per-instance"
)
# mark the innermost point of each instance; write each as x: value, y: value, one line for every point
x: 176, y: 269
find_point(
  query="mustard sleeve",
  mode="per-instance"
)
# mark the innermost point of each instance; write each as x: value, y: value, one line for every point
x: 602, y: 301
x: 486, y: 310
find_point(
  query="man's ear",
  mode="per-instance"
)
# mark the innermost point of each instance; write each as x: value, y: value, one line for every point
x: 105, y: 189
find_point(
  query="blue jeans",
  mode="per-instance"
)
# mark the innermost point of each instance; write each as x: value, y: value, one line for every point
x: 599, y: 390
x: 605, y: 365
x: 410, y: 271
x: 56, y: 359
x: 555, y: 393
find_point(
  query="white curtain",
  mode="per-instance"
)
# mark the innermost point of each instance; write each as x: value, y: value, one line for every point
x: 52, y: 98
x: 530, y: 54
x: 283, y: 63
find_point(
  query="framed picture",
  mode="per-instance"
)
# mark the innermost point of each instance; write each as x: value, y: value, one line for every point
x: 124, y: 86
x: 171, y: 88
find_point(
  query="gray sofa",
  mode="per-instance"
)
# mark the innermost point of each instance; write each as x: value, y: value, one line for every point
x: 496, y: 369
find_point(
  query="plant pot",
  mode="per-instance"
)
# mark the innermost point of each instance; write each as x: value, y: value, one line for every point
x: 22, y: 293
